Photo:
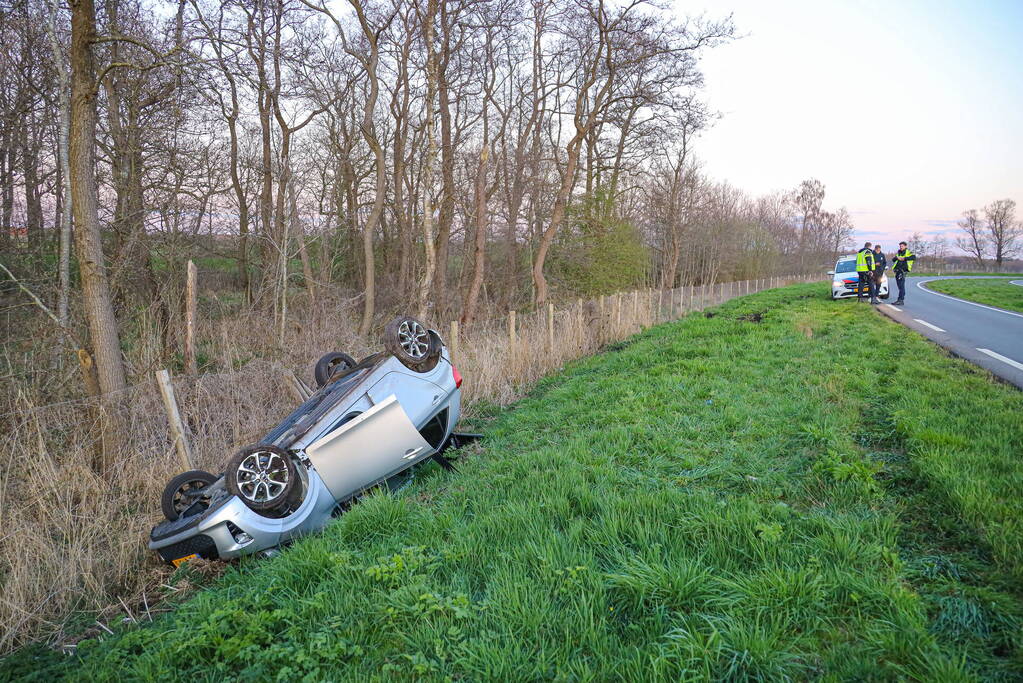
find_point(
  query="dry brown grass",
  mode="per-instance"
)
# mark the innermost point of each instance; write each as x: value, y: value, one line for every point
x: 74, y: 542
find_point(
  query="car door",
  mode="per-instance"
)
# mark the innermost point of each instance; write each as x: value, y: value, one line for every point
x: 367, y: 449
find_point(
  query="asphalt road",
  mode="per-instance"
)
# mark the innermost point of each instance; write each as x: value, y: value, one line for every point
x: 987, y: 336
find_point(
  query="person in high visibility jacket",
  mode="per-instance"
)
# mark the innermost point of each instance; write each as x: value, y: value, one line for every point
x: 865, y: 271
x: 902, y: 263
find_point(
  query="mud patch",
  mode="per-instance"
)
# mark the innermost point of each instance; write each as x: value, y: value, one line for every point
x: 752, y: 317
x: 709, y: 314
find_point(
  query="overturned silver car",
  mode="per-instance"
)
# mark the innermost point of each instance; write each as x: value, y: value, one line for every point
x: 367, y: 425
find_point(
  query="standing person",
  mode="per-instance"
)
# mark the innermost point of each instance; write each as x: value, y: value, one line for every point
x: 865, y: 271
x: 902, y: 264
x: 880, y: 263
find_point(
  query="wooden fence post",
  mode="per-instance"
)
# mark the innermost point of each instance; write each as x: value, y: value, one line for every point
x: 191, y: 300
x: 550, y: 328
x: 580, y: 320
x: 296, y: 386
x: 177, y: 428
x: 453, y: 341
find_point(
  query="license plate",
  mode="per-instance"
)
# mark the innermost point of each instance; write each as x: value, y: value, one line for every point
x: 181, y: 560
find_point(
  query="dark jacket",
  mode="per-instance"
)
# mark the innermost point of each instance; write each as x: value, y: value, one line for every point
x: 880, y: 263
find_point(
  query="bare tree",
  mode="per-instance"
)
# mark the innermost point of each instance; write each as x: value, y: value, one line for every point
x: 1004, y: 232
x: 605, y: 46
x: 808, y: 198
x: 974, y: 242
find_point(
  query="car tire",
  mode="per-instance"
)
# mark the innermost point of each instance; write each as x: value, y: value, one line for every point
x: 409, y: 341
x: 329, y: 364
x: 262, y: 476
x: 174, y: 500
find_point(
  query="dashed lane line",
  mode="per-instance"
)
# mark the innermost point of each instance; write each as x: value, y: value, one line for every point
x: 1007, y: 361
x: 933, y: 327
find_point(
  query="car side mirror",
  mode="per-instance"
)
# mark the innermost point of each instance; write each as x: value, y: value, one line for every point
x: 831, y: 272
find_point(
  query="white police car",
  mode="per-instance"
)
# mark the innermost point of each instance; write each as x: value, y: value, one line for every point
x: 845, y: 281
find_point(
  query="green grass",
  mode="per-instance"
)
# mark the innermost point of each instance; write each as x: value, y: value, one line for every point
x: 991, y: 292
x: 721, y: 499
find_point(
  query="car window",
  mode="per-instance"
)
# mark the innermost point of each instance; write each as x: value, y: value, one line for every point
x: 846, y: 266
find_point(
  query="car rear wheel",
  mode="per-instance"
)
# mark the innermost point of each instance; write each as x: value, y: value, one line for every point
x: 181, y: 492
x: 329, y: 364
x: 262, y: 476
x: 410, y: 342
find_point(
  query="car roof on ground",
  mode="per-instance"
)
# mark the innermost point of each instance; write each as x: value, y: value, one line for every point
x: 323, y: 400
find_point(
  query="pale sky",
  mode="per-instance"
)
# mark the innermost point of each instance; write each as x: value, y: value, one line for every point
x: 909, y: 111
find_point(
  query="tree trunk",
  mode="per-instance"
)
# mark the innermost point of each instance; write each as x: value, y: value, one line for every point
x: 557, y: 216
x: 446, y: 215
x: 96, y: 302
x: 480, y: 243
x: 429, y: 245
x: 64, y: 191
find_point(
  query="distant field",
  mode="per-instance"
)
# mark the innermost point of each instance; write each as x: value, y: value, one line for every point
x: 991, y: 292
x: 783, y: 489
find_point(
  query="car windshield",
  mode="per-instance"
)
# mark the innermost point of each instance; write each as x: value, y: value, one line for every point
x: 846, y: 265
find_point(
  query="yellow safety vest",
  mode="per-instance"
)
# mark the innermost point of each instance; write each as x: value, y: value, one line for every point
x: 864, y: 261
x: 909, y: 260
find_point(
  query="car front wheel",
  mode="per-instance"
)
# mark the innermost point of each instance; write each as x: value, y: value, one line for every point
x: 262, y: 476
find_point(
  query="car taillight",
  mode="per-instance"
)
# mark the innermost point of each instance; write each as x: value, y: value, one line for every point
x: 457, y: 375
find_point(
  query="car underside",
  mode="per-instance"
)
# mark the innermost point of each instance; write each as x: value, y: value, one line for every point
x: 368, y: 425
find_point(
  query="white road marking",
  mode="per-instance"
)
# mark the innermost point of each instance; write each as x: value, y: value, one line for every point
x: 1016, y: 282
x: 897, y: 310
x: 920, y: 286
x: 933, y: 327
x: 1009, y: 361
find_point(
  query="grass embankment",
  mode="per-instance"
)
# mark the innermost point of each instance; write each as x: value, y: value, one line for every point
x: 746, y: 495
x: 992, y: 292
